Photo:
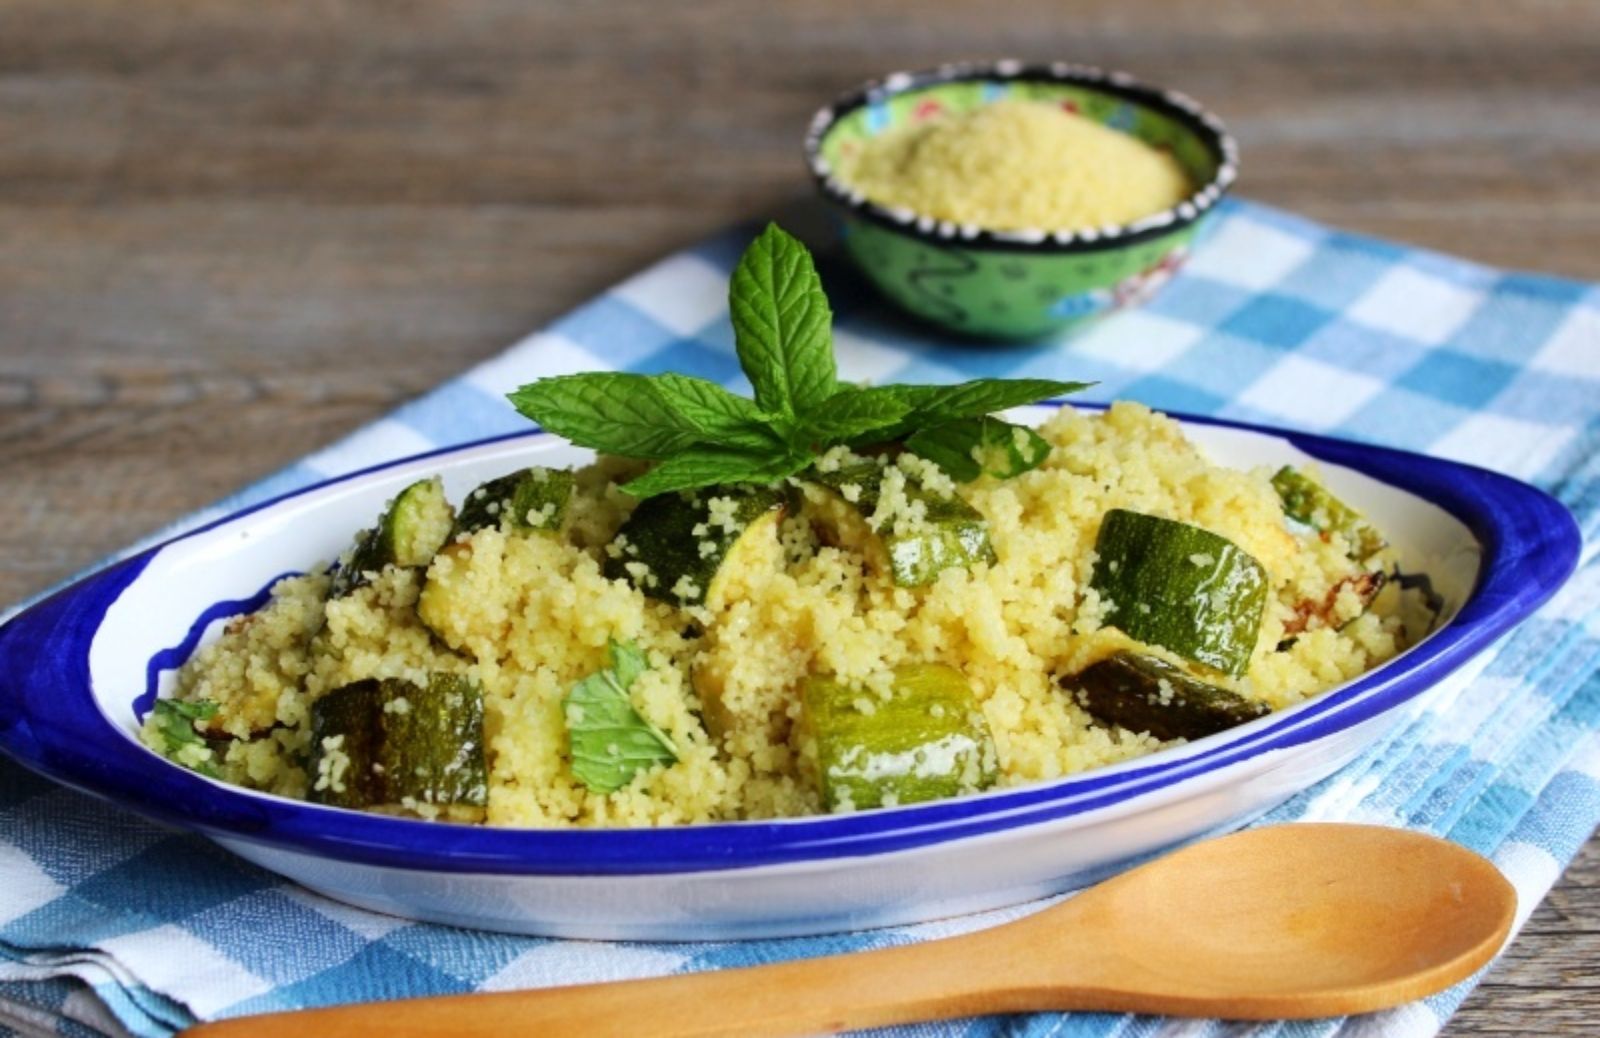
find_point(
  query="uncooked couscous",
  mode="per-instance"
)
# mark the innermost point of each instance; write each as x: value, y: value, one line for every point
x: 1016, y: 165
x: 920, y: 600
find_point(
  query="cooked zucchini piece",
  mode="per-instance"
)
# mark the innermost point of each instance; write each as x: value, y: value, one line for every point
x: 411, y: 530
x: 936, y: 533
x: 1309, y: 502
x: 395, y: 746
x: 1145, y: 694
x: 927, y: 741
x: 680, y: 548
x: 532, y: 499
x: 1178, y: 586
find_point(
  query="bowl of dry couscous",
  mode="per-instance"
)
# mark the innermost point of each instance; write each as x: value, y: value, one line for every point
x: 1014, y: 201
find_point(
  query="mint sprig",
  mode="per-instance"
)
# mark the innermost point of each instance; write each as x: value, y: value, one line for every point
x: 702, y: 435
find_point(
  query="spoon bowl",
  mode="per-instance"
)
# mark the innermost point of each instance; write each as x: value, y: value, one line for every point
x: 1288, y: 921
x: 1284, y: 922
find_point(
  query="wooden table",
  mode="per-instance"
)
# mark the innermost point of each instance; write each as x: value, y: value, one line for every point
x: 232, y: 231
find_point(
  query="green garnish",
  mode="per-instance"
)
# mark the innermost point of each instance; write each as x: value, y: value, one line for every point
x: 175, y: 721
x: 703, y: 435
x: 970, y: 447
x: 609, y: 741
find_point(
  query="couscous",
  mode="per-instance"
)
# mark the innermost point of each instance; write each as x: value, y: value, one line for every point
x: 1016, y: 165
x: 902, y: 598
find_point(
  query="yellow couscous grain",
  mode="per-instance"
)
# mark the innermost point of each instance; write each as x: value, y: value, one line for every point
x: 1016, y: 165
x: 527, y: 615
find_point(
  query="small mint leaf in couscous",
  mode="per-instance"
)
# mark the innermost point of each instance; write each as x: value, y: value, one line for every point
x: 174, y: 722
x: 609, y: 742
x: 701, y: 435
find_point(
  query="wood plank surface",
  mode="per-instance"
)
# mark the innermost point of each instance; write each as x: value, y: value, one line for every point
x: 232, y: 231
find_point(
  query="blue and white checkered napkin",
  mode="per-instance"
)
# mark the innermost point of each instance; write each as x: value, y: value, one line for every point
x: 107, y: 922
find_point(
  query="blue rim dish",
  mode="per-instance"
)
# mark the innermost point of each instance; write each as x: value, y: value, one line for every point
x: 50, y: 722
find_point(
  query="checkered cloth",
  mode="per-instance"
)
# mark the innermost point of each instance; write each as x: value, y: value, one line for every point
x: 108, y: 923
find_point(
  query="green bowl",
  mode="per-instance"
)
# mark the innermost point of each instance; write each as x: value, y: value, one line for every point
x: 1030, y: 283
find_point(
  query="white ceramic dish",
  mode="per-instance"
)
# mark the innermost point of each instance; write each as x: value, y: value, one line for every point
x: 78, y: 669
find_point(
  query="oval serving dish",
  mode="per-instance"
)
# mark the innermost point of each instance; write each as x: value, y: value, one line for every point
x: 78, y: 669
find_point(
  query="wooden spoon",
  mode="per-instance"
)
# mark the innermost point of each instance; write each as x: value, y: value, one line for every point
x: 1284, y: 922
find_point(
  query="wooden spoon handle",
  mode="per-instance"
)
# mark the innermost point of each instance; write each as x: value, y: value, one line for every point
x: 931, y: 981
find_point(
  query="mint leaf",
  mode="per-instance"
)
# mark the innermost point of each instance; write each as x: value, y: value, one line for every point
x: 950, y: 447
x: 782, y: 327
x: 710, y: 466
x: 724, y: 419
x: 934, y: 405
x: 614, y: 412
x: 175, y: 721
x: 608, y: 741
x: 969, y: 447
x: 627, y: 661
x: 854, y: 410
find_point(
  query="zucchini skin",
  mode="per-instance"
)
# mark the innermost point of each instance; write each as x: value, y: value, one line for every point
x: 403, y: 742
x: 955, y: 533
x: 1186, y: 589
x: 928, y: 741
x: 402, y: 536
x: 1309, y: 502
x: 683, y: 548
x: 1125, y: 689
x: 531, y: 499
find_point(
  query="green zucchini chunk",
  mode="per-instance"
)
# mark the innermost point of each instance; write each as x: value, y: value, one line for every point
x: 533, y: 499
x: 395, y: 746
x: 914, y: 548
x: 411, y: 530
x: 1145, y: 694
x: 681, y: 548
x: 927, y: 741
x: 1309, y: 502
x: 1178, y: 586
